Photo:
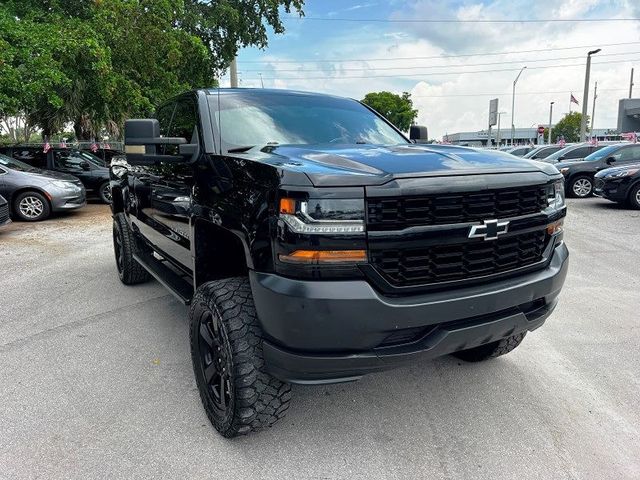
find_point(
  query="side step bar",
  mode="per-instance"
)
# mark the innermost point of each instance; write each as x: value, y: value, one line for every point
x: 177, y: 285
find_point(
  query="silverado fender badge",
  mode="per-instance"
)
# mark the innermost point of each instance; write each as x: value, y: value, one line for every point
x: 489, y: 230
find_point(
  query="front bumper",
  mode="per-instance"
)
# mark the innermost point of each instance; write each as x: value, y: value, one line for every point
x: 614, y: 189
x: 333, y: 331
x: 61, y: 201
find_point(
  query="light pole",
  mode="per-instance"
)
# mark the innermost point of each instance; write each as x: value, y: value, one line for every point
x: 498, y: 134
x: 550, y: 116
x: 585, y: 98
x: 593, y: 110
x: 513, y: 104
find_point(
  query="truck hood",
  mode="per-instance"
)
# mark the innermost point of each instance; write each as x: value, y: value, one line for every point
x: 342, y: 165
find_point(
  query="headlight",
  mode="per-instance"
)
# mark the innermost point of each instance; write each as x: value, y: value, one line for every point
x: 626, y: 173
x: 555, y: 195
x: 65, y: 185
x: 323, y: 216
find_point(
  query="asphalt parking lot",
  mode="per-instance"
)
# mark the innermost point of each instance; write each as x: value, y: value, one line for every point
x: 96, y: 379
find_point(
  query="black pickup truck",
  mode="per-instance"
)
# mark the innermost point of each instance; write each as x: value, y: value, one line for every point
x: 315, y: 243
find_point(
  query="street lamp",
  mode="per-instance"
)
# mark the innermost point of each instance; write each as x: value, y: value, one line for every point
x: 550, y: 116
x: 498, y: 135
x: 513, y: 103
x: 585, y: 97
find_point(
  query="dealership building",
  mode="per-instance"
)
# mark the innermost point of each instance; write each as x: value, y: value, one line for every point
x: 522, y: 136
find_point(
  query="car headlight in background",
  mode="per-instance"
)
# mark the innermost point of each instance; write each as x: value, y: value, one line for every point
x: 64, y: 185
x: 626, y: 173
x: 323, y: 216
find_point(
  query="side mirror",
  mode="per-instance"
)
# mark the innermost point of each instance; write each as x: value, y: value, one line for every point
x: 85, y: 166
x: 610, y: 160
x: 561, y: 157
x: 418, y: 134
x: 143, y: 144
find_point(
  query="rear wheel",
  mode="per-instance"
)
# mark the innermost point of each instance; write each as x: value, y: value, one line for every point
x: 237, y: 393
x: 491, y: 350
x: 124, y: 246
x: 634, y: 197
x: 31, y: 206
x: 581, y: 187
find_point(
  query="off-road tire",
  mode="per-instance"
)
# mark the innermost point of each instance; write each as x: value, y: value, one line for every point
x: 255, y: 399
x: 104, y: 192
x: 31, y: 207
x: 491, y: 350
x: 634, y: 197
x: 573, y: 187
x: 124, y: 246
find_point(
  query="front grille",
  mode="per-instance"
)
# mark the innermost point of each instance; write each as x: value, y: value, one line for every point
x: 4, y: 213
x: 462, y: 261
x: 392, y: 213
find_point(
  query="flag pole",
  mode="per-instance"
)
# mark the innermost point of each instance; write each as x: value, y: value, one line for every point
x: 570, y: 102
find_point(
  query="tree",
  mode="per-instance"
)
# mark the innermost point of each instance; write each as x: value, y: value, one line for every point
x: 568, y: 127
x: 398, y: 109
x: 96, y: 63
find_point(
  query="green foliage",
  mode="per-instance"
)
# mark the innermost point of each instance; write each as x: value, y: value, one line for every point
x: 398, y: 109
x: 569, y: 127
x: 95, y: 63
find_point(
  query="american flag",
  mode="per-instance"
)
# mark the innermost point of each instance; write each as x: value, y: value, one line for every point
x: 562, y: 142
x: 631, y: 136
x: 47, y: 146
x: 63, y: 144
x: 574, y: 100
x: 94, y: 147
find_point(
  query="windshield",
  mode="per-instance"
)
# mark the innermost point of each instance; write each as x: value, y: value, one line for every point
x: 15, y: 164
x: 252, y: 118
x: 603, y: 152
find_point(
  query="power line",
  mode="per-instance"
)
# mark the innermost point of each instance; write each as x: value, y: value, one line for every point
x: 432, y: 57
x: 453, y: 66
x: 457, y: 20
x: 442, y: 73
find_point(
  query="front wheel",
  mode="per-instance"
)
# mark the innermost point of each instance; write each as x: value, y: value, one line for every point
x: 491, y: 350
x: 31, y: 207
x: 634, y: 197
x: 124, y: 246
x: 237, y: 393
x: 581, y: 187
x: 105, y: 192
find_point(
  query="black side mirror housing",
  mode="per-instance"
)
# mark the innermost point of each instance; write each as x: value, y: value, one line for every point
x: 85, y: 166
x: 610, y: 160
x: 418, y: 134
x: 143, y: 144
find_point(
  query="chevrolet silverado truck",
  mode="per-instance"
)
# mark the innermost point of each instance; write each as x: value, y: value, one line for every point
x: 315, y: 243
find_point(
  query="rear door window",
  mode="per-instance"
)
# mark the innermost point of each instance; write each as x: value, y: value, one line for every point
x: 68, y: 161
x: 630, y: 154
x: 579, y: 152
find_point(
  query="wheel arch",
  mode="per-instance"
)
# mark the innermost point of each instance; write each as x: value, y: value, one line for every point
x: 29, y: 188
x: 218, y: 253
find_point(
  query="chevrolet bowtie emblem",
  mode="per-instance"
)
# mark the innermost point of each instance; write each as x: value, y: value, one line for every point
x: 489, y: 230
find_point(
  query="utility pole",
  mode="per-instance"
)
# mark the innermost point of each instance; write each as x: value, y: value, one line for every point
x: 233, y: 72
x: 550, y: 117
x: 631, y: 84
x: 498, y: 139
x: 261, y: 81
x: 513, y: 103
x: 585, y: 98
x: 593, y: 110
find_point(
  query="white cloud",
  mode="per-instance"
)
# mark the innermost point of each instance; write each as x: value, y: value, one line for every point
x: 451, y: 103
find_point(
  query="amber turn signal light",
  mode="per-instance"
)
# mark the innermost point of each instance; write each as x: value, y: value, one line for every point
x: 288, y: 205
x: 555, y: 227
x: 316, y: 257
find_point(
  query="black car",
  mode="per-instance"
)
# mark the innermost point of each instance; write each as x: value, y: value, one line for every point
x: 315, y: 243
x: 33, y: 194
x: 91, y: 170
x: 620, y: 184
x: 579, y: 176
x: 573, y: 153
x: 104, y: 154
x: 5, y: 217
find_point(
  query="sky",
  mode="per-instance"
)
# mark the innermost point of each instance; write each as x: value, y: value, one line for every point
x: 452, y: 70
